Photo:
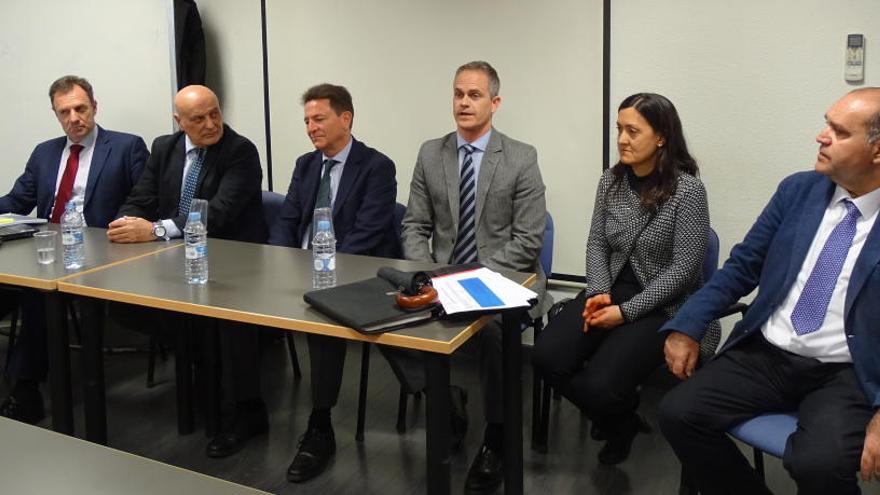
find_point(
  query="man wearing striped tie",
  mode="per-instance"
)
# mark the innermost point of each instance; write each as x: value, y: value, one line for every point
x: 476, y: 196
x: 207, y: 160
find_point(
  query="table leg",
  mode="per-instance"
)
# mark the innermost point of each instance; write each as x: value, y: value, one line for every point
x: 183, y: 377
x: 438, y: 426
x: 94, y: 390
x: 512, y: 364
x: 58, y: 348
x: 212, y: 384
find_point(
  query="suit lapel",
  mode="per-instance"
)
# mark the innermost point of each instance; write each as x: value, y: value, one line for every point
x: 49, y: 179
x: 99, y: 160
x: 866, y: 263
x: 491, y: 159
x: 450, y: 168
x: 810, y: 217
x: 175, y: 171
x: 350, y: 173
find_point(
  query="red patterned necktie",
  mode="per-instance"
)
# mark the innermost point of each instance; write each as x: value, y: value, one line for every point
x: 65, y: 188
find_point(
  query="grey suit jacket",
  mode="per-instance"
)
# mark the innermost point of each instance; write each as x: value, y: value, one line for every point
x: 510, y: 210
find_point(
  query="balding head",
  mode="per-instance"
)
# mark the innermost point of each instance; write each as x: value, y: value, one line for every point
x: 871, y: 96
x: 197, y: 112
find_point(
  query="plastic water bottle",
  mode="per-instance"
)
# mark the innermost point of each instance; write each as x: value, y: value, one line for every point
x: 324, y: 256
x: 196, y: 236
x: 72, y: 225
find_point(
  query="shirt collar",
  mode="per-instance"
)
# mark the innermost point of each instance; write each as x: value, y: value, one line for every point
x: 480, y: 143
x: 342, y: 156
x: 88, y: 141
x: 868, y: 204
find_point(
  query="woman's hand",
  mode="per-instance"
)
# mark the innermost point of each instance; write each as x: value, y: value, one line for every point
x: 592, y: 305
x: 607, y: 317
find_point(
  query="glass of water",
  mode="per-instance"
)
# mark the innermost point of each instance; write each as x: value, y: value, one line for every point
x: 45, y: 241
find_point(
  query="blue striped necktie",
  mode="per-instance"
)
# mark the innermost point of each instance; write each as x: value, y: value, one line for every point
x: 192, y: 179
x: 466, y: 243
x: 809, y: 311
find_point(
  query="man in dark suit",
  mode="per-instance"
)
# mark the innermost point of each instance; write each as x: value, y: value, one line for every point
x: 223, y: 168
x: 476, y: 196
x: 90, y: 165
x: 358, y: 183
x: 809, y: 341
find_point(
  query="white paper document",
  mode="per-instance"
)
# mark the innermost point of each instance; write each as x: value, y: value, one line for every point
x: 13, y: 218
x: 480, y: 290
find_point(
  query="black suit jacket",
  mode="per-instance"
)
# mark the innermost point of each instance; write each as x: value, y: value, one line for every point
x: 230, y: 180
x: 363, y: 209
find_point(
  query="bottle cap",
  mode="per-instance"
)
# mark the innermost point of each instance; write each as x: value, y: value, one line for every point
x: 324, y: 225
x: 70, y: 205
x: 194, y: 216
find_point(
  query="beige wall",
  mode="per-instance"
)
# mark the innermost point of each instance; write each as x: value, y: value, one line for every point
x: 122, y: 48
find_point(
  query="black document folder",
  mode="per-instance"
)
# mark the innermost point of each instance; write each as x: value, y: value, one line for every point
x: 367, y: 306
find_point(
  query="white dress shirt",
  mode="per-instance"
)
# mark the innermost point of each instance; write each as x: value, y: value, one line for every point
x: 82, y: 172
x: 335, y: 177
x: 828, y: 343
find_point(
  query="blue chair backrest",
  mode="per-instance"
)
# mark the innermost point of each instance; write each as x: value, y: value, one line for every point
x: 710, y: 262
x: 397, y: 225
x: 272, y: 202
x: 546, y: 255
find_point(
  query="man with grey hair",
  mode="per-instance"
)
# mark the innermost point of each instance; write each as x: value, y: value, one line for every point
x: 476, y: 196
x: 810, y: 340
x: 89, y: 164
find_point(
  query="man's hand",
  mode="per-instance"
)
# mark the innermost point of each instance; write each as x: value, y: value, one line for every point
x: 871, y: 451
x: 592, y: 305
x: 130, y: 229
x: 607, y: 317
x: 682, y: 353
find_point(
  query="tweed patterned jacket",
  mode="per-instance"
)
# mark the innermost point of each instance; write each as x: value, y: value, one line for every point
x: 665, y: 248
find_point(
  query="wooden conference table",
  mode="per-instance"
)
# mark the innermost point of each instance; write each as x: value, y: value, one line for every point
x: 19, y: 268
x: 47, y: 462
x: 264, y: 285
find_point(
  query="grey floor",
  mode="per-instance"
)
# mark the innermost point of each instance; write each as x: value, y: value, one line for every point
x: 142, y: 421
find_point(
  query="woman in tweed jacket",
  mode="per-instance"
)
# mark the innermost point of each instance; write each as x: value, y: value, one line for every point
x: 644, y: 257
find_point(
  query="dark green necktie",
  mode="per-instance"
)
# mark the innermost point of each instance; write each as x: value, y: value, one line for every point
x: 323, y: 200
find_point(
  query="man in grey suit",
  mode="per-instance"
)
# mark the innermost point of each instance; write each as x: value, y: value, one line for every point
x: 476, y: 196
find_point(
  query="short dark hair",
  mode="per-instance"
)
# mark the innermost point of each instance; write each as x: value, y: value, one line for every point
x: 65, y: 84
x: 486, y: 68
x: 340, y: 98
x: 671, y: 159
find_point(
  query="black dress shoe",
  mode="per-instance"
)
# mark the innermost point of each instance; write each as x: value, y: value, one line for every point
x: 457, y: 406
x: 619, y: 443
x: 315, y: 449
x: 486, y: 473
x: 27, y: 409
x: 246, y: 425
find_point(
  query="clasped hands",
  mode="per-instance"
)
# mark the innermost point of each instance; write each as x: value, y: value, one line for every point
x: 130, y: 229
x: 600, y: 313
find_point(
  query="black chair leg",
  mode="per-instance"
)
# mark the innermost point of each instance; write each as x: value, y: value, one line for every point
x: 686, y: 484
x: 13, y: 333
x: 294, y: 360
x: 759, y: 462
x: 539, y: 391
x: 151, y: 362
x: 362, y: 393
x: 401, y: 410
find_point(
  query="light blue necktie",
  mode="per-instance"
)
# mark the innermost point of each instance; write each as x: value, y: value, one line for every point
x: 809, y: 311
x: 192, y: 179
x: 466, y: 243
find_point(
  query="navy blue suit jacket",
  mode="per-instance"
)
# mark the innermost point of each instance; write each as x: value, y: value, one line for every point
x: 770, y: 258
x: 117, y: 163
x: 363, y: 208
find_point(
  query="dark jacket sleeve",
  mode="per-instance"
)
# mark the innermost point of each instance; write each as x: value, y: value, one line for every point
x: 375, y: 210
x: 23, y: 196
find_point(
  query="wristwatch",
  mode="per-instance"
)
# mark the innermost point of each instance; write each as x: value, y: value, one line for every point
x: 160, y: 231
